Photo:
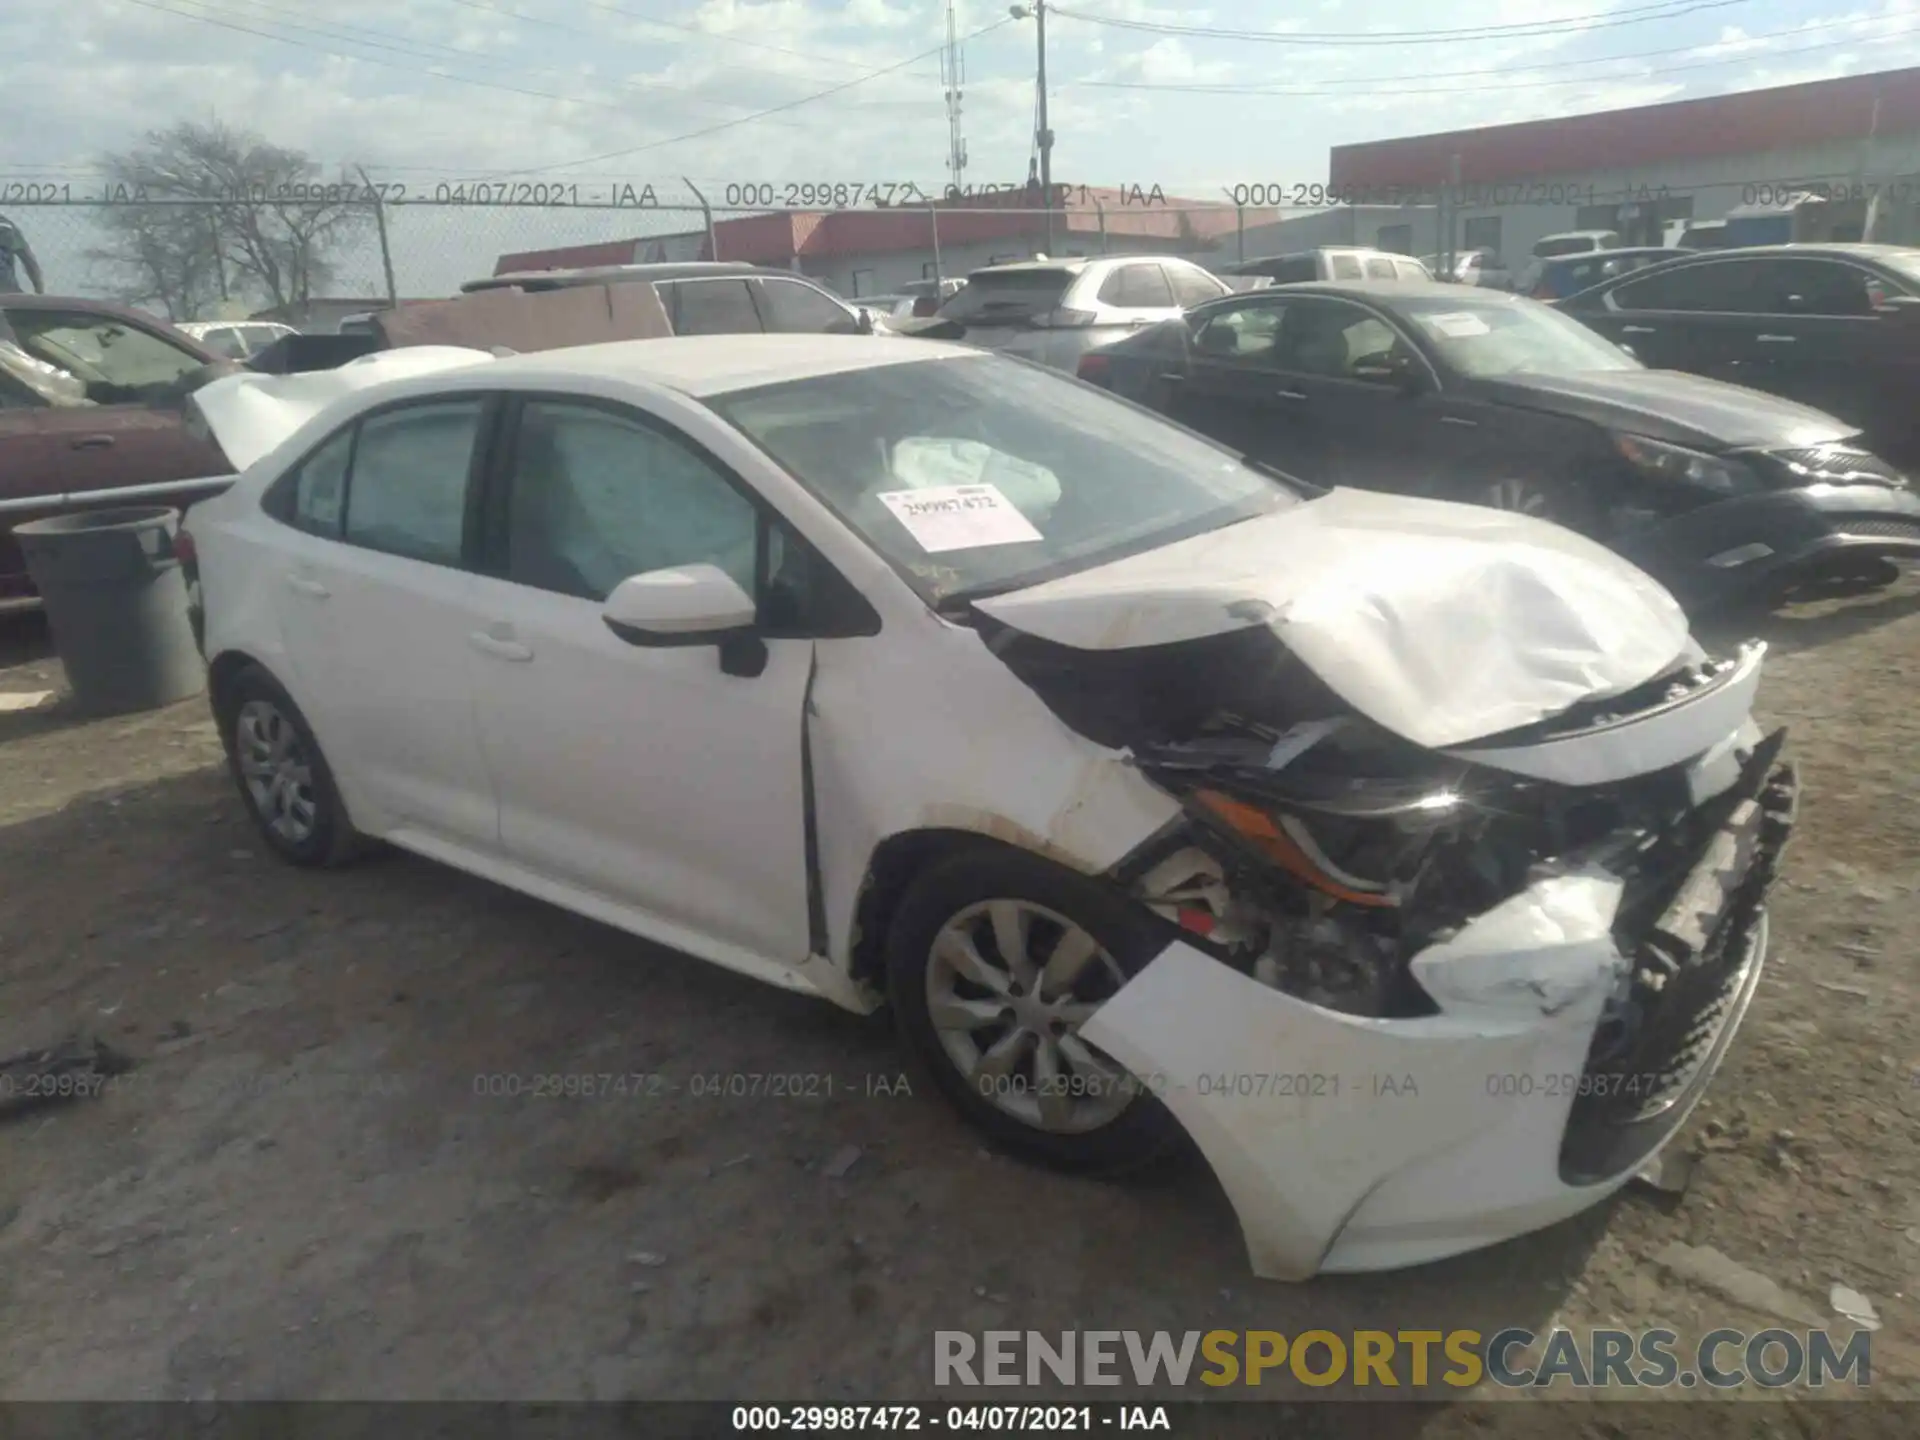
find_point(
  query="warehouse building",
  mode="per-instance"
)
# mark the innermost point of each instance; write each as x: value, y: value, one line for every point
x: 1837, y: 159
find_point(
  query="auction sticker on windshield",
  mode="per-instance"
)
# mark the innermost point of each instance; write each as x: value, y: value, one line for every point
x: 959, y: 517
x: 1457, y: 325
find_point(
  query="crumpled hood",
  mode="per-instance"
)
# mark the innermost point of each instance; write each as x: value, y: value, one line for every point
x: 1443, y: 623
x: 249, y: 414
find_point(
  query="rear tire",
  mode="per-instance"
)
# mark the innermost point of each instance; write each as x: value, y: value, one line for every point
x: 283, y: 778
x: 995, y: 959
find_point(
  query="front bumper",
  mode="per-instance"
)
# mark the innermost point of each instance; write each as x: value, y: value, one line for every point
x: 1755, y: 544
x: 1348, y: 1143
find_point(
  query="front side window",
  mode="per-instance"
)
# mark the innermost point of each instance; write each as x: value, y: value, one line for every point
x: 1345, y: 267
x: 116, y: 362
x: 1137, y: 287
x: 1379, y: 268
x: 979, y: 473
x: 796, y: 309
x: 1726, y: 286
x: 598, y: 496
x: 407, y: 490
x: 225, y: 342
x: 1328, y: 338
x: 713, y: 307
x: 1192, y: 287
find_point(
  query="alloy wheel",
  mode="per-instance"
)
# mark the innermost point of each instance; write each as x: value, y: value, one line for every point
x: 1519, y: 496
x: 1009, y: 984
x: 275, y: 768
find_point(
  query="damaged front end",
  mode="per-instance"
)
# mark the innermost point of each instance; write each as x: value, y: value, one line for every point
x: 1494, y: 992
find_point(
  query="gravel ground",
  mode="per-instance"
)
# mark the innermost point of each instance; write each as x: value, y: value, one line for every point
x: 326, y: 1176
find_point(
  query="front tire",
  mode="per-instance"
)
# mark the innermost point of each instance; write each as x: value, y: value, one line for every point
x: 995, y: 959
x: 282, y: 777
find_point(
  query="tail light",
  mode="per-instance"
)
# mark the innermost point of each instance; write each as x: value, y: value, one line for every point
x: 1095, y: 367
x: 1063, y: 318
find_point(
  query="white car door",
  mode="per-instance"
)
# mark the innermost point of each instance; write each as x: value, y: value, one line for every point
x: 651, y: 777
x: 375, y: 607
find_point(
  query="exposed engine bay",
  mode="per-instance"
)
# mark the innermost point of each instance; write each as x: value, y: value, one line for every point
x: 1323, y: 858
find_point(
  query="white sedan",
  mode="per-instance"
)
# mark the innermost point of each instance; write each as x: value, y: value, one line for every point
x: 1408, y: 858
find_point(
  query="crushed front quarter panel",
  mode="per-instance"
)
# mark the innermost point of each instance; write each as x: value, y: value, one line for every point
x: 1443, y: 623
x: 1304, y: 1113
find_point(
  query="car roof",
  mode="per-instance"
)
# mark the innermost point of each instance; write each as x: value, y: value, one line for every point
x: 1575, y: 235
x: 600, y: 274
x: 1586, y: 256
x: 1840, y: 249
x: 704, y: 365
x: 1370, y: 290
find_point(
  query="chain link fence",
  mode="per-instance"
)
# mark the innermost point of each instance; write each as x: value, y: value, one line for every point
x: 356, y: 247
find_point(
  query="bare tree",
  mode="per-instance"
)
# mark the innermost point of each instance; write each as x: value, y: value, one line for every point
x: 206, y: 211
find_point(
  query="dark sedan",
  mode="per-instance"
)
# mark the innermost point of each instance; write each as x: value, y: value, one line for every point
x: 1834, y: 326
x: 1720, y: 491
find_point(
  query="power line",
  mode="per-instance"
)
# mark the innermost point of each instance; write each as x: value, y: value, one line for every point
x: 623, y: 108
x: 743, y: 120
x: 1575, y: 24
x: 1247, y: 88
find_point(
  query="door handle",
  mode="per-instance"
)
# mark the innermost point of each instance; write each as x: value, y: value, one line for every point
x: 1636, y: 329
x: 1774, y: 339
x: 500, y: 649
x: 93, y: 442
x: 1459, y: 420
x: 1172, y: 377
x: 1288, y: 395
x: 301, y: 585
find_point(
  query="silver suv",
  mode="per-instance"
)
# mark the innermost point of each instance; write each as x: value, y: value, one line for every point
x: 1055, y: 311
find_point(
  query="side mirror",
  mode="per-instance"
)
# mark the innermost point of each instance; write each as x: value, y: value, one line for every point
x: 687, y: 606
x: 866, y: 321
x: 1395, y: 369
x: 1904, y: 308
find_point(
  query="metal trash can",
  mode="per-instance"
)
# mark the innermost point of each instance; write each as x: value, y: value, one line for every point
x: 116, y: 602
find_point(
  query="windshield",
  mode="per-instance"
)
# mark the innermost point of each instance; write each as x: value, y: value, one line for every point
x: 1906, y: 263
x: 1510, y: 336
x: 979, y: 473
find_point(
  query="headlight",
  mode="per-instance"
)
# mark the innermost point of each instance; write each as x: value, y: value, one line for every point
x: 1690, y: 467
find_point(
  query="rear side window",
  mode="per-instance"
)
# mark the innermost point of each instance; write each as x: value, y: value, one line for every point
x: 712, y: 307
x: 1379, y: 268
x: 1011, y: 296
x: 796, y: 309
x: 1137, y: 287
x: 407, y: 486
x: 1717, y: 285
x: 320, y: 487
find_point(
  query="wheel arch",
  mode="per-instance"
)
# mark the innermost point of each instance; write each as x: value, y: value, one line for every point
x: 896, y: 862
x: 222, y: 671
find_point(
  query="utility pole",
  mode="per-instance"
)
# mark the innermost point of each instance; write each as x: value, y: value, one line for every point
x: 953, y: 74
x: 1045, y: 135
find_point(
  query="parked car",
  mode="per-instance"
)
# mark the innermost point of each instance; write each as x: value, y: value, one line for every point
x: 1054, y: 311
x: 1565, y: 275
x: 87, y: 419
x: 1575, y: 242
x: 1836, y: 327
x: 712, y: 297
x: 813, y: 657
x: 1720, y: 491
x: 930, y: 295
x: 236, y: 339
x: 888, y: 307
x: 1479, y: 267
x: 1331, y: 262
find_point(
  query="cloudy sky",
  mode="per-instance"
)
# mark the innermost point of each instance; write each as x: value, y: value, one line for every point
x: 431, y: 92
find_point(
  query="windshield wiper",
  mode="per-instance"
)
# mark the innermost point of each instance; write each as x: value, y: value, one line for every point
x: 1308, y: 490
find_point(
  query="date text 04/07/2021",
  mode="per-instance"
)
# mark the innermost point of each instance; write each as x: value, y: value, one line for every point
x: 987, y: 1419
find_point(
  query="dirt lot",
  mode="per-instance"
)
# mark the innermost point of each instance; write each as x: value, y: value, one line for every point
x: 315, y: 1182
